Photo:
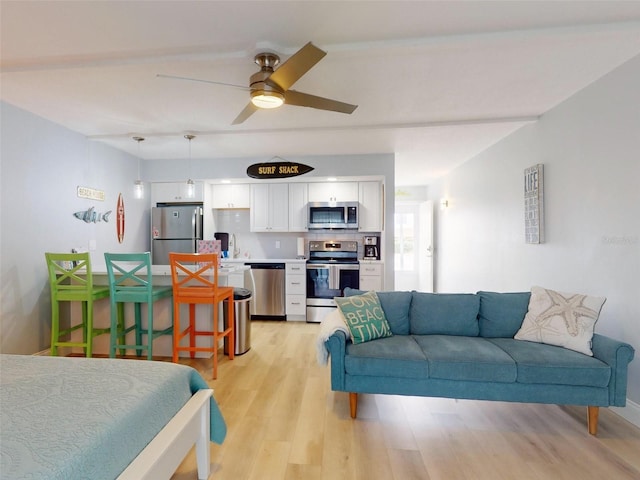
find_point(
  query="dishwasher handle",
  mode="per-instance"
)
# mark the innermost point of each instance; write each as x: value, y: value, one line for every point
x: 265, y: 266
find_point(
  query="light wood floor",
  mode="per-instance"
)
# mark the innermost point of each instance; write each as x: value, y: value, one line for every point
x: 284, y: 422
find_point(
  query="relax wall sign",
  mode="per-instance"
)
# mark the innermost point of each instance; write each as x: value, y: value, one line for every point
x: 534, y: 204
x: 270, y: 170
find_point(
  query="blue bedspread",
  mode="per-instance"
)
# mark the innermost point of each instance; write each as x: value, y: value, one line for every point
x: 77, y: 418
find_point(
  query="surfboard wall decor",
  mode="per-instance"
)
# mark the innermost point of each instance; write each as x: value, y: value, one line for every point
x: 120, y: 219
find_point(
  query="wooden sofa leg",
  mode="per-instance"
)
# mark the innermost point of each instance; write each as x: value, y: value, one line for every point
x: 592, y: 419
x: 353, y: 404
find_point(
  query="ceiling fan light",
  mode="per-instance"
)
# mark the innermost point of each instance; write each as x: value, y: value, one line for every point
x: 262, y: 99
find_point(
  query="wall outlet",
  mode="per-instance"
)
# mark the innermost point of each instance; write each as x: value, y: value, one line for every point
x: 92, y: 245
x: 277, y: 243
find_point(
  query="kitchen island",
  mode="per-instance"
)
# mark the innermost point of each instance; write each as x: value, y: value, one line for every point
x: 161, y: 275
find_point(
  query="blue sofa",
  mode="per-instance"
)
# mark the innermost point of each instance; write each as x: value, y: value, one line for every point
x: 462, y: 346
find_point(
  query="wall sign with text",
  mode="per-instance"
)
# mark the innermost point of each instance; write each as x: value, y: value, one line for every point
x: 90, y: 193
x: 534, y: 204
x: 277, y: 170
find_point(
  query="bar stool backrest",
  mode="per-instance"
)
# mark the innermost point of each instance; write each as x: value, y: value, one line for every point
x: 70, y: 276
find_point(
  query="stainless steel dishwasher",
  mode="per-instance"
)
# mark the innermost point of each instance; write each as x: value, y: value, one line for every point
x: 267, y: 282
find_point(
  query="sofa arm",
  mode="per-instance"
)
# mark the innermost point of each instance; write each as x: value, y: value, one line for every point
x: 337, y: 346
x: 617, y: 355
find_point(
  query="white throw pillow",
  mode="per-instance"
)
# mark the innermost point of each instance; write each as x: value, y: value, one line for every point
x: 563, y: 319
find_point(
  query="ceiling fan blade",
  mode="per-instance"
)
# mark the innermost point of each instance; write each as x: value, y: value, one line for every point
x: 291, y: 97
x: 296, y: 66
x: 244, y: 114
x: 243, y: 87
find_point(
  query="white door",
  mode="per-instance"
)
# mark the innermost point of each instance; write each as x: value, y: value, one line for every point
x: 425, y: 249
x: 413, y: 246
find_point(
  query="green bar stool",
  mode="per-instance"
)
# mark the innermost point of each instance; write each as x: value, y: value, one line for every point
x: 130, y: 280
x: 71, y: 280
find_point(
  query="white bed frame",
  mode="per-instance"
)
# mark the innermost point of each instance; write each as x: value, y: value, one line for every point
x: 161, y: 457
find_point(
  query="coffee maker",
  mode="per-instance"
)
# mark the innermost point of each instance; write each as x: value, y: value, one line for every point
x: 371, y: 248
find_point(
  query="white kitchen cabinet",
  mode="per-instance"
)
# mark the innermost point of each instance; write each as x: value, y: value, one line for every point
x: 269, y: 207
x: 371, y: 276
x: 298, y: 198
x: 296, y: 291
x: 333, y: 192
x: 236, y: 279
x: 371, y: 211
x: 175, y: 192
x: 231, y: 196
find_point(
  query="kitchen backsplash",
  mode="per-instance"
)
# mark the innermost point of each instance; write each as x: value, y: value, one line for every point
x: 271, y: 245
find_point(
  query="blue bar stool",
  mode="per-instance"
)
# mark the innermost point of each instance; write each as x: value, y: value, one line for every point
x: 130, y: 280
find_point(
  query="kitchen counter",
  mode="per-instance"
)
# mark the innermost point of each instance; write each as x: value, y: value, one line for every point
x: 162, y: 346
x: 165, y: 270
x: 231, y: 271
x: 226, y: 261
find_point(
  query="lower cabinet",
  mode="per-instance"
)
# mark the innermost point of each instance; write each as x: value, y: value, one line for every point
x: 296, y: 291
x: 371, y: 277
x: 236, y: 279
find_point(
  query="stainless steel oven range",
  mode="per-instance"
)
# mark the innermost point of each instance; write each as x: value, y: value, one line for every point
x: 332, y: 266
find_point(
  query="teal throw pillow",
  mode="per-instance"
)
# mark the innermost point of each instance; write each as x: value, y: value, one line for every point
x: 364, y: 317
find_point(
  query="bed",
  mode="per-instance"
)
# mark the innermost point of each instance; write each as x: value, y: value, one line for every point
x: 93, y: 418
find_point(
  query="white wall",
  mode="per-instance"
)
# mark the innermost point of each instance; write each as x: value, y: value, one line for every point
x: 41, y: 166
x: 590, y: 147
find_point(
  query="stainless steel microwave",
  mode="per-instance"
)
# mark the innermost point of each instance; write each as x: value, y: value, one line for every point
x: 333, y: 215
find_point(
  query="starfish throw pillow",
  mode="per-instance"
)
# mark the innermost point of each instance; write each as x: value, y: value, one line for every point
x: 563, y: 319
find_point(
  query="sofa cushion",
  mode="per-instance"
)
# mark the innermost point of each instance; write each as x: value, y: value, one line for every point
x: 396, y: 308
x: 540, y: 363
x: 364, y: 317
x: 466, y: 358
x: 397, y: 356
x: 501, y: 314
x: 444, y: 314
x: 563, y: 319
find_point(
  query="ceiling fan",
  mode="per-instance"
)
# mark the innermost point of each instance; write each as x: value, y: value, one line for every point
x: 269, y: 88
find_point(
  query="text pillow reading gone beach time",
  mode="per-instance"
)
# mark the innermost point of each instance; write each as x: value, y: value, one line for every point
x: 364, y: 317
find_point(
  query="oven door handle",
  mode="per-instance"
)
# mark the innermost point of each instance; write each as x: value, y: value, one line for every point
x: 334, y: 277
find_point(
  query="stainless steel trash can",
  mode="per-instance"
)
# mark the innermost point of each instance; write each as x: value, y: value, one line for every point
x: 241, y: 299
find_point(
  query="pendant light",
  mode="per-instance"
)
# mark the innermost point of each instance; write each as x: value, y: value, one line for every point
x: 138, y: 185
x: 191, y: 187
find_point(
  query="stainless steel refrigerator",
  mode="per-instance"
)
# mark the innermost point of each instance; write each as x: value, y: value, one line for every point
x: 174, y: 228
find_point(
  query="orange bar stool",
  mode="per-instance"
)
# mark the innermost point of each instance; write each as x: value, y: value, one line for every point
x: 71, y: 280
x: 130, y: 280
x: 195, y: 282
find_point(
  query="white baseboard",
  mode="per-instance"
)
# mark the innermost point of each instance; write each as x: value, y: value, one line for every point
x: 631, y: 412
x: 43, y: 353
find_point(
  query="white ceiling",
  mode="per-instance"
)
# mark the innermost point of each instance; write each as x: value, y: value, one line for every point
x: 436, y: 82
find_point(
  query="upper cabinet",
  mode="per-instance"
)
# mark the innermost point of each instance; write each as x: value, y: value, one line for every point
x: 175, y: 192
x: 269, y: 207
x: 231, y: 196
x: 333, y: 192
x: 371, y: 213
x: 298, y: 198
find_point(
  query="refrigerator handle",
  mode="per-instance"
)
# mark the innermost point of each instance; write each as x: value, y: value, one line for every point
x: 198, y: 225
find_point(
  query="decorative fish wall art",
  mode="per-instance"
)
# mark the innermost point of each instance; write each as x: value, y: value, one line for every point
x: 91, y: 216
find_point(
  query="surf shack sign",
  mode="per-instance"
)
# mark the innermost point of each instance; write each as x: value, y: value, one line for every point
x: 270, y: 170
